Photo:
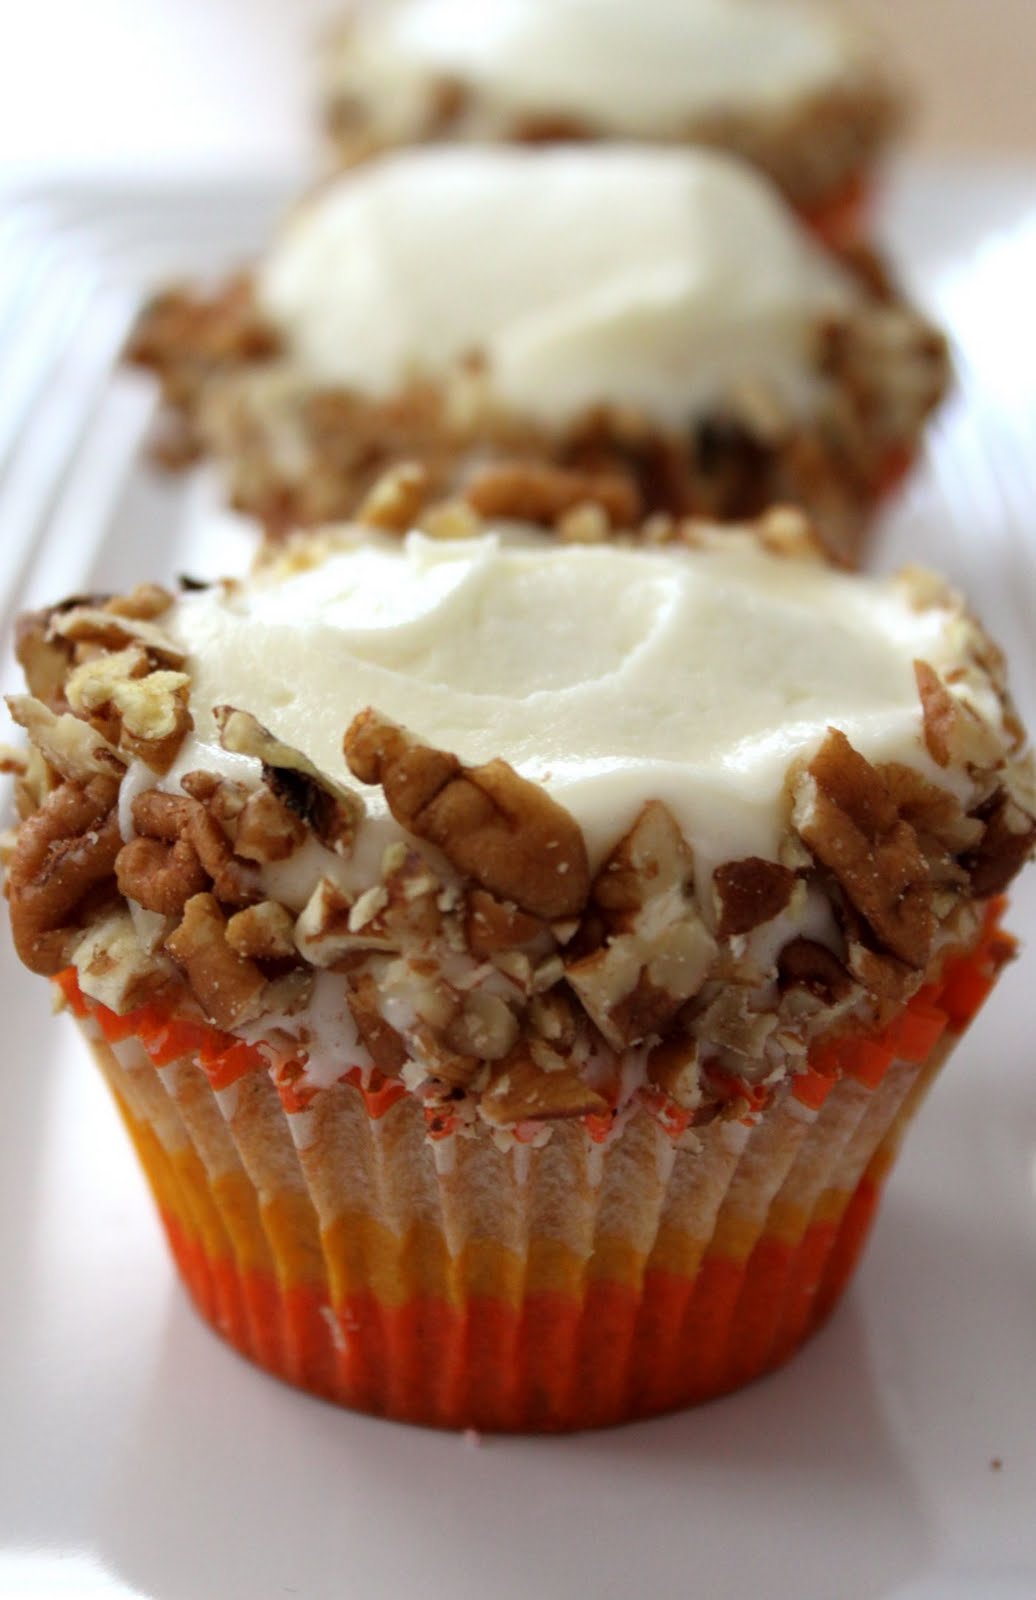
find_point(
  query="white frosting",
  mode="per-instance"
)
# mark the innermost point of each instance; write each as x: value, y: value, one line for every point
x: 611, y: 674
x: 640, y: 68
x: 650, y: 278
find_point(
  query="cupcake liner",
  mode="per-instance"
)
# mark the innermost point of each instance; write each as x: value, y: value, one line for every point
x: 454, y: 1283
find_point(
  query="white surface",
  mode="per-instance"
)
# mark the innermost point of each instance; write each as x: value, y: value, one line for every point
x: 141, y: 1457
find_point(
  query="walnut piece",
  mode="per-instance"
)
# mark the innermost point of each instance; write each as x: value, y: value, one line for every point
x: 495, y: 827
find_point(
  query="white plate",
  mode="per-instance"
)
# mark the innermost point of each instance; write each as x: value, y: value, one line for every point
x: 139, y: 1456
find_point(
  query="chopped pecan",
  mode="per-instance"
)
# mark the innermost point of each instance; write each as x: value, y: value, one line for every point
x: 228, y: 987
x: 160, y: 875
x: 263, y: 932
x: 845, y: 814
x: 146, y: 602
x: 45, y: 661
x: 939, y: 711
x: 74, y: 749
x: 485, y: 1027
x: 953, y: 731
x: 396, y: 499
x: 264, y: 828
x: 384, y: 1045
x: 657, y: 950
x: 750, y: 892
x: 115, y: 969
x: 332, y: 812
x: 492, y: 925
x: 64, y: 856
x: 177, y: 820
x: 673, y: 1067
x: 494, y: 826
x: 803, y: 963
x: 96, y: 625
x: 535, y: 491
x: 1005, y: 846
x: 520, y: 1091
x: 732, y: 1021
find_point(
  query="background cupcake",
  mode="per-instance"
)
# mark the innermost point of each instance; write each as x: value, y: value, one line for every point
x: 650, y: 331
x: 793, y: 88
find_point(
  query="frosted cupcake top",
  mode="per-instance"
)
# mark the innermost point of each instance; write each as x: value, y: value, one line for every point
x: 647, y: 278
x: 643, y: 70
x: 611, y: 675
x: 658, y: 820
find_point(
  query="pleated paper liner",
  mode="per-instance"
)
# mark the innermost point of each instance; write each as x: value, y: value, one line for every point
x: 444, y: 1281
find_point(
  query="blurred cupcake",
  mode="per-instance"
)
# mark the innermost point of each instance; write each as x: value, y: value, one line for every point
x: 551, y: 1082
x: 647, y: 330
x: 792, y: 87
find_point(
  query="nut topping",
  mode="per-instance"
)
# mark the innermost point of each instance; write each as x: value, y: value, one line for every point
x: 492, y: 825
x: 332, y: 812
x: 228, y: 987
x: 63, y: 856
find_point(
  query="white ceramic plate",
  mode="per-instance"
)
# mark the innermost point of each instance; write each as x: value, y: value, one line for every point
x: 896, y: 1457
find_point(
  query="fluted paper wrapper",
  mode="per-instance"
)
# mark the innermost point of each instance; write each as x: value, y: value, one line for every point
x: 460, y: 1285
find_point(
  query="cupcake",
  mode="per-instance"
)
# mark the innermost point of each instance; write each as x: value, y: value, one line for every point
x: 516, y: 963
x: 649, y: 331
x: 791, y: 87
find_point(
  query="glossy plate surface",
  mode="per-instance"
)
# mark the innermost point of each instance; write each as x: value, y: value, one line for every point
x: 896, y: 1457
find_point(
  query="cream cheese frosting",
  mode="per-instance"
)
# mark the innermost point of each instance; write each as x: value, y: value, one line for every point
x: 646, y: 278
x: 644, y: 69
x: 611, y: 674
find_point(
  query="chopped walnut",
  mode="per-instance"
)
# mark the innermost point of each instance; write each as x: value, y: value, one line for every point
x: 492, y: 825
x: 657, y: 950
x: 228, y: 987
x: 332, y: 812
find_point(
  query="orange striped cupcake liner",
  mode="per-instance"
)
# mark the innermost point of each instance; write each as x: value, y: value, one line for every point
x: 449, y: 1282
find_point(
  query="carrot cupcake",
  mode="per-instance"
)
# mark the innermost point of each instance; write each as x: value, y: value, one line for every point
x: 516, y: 963
x: 791, y: 87
x: 648, y: 330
